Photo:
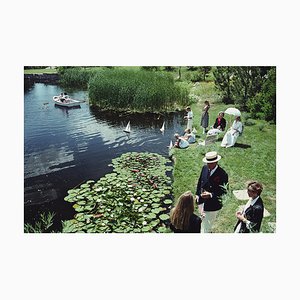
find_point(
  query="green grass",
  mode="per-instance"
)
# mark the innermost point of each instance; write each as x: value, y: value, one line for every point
x: 40, y: 71
x: 252, y: 158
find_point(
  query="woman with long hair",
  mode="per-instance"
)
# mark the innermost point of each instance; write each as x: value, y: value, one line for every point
x: 183, y: 219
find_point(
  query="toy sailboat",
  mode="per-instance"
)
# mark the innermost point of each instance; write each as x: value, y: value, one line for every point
x: 127, y: 129
x: 162, y: 129
x: 171, y: 145
x: 194, y: 130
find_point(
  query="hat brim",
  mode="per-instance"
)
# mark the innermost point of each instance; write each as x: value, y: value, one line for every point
x: 211, y: 161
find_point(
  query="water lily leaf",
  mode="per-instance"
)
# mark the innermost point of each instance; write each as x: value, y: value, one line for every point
x: 162, y: 229
x: 151, y: 216
x: 72, y: 192
x: 164, y: 217
x: 82, y: 202
x: 156, y: 199
x: 146, y: 229
x: 156, y: 210
x: 70, y: 199
x: 168, y: 201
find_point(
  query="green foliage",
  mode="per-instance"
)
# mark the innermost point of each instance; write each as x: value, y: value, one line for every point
x: 130, y: 89
x: 134, y: 198
x: 150, y: 68
x: 169, y: 69
x: 250, y: 88
x: 204, y: 71
x: 42, y: 225
x: 224, y: 84
x: 264, y: 103
x: 75, y: 77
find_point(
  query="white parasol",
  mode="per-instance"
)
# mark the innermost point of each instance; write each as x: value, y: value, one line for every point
x: 233, y: 111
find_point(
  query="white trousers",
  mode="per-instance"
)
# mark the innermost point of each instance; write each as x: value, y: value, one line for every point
x: 208, y: 221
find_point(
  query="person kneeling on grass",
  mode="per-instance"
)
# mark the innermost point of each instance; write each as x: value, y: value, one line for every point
x: 180, y: 142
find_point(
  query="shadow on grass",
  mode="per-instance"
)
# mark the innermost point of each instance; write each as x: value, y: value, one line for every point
x: 244, y: 146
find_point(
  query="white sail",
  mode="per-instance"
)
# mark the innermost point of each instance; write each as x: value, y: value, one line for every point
x: 194, y: 130
x: 162, y: 129
x: 127, y: 129
x: 171, y: 145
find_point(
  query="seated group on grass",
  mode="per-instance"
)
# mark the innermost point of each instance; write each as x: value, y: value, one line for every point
x: 184, y: 141
x: 219, y: 126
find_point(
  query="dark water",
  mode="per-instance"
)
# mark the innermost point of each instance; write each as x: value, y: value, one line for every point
x: 64, y: 147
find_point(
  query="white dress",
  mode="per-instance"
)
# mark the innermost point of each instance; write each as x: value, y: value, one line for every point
x: 190, y: 120
x: 232, y: 134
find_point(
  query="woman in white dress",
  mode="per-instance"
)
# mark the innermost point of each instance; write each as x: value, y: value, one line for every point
x: 189, y: 118
x: 232, y: 134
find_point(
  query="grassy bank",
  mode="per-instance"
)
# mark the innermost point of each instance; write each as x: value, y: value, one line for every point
x: 40, y: 71
x: 252, y: 158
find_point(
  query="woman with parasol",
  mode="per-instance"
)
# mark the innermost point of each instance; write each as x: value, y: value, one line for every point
x: 234, y: 131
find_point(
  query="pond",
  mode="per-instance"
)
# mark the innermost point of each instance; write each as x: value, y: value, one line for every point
x: 64, y: 147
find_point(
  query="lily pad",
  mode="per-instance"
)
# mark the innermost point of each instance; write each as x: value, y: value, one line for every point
x: 168, y: 201
x: 164, y: 217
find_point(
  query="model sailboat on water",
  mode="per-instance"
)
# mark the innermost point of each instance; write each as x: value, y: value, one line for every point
x: 162, y: 129
x: 127, y: 129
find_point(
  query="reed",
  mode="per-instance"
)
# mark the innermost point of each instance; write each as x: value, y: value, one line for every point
x: 136, y: 90
x: 76, y: 77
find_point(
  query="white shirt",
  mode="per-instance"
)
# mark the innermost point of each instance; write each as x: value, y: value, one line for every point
x: 248, y: 204
x: 190, y: 115
x: 213, y: 170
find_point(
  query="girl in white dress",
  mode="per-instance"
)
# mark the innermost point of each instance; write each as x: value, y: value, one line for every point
x: 189, y: 118
x: 232, y: 134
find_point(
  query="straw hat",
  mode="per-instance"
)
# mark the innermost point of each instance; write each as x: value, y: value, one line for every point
x: 211, y: 157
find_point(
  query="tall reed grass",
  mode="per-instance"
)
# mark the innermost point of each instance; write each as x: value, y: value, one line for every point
x: 76, y: 77
x: 136, y: 90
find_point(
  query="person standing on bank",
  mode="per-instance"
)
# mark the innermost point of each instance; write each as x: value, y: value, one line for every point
x: 182, y: 216
x: 212, y: 185
x: 205, y: 117
x: 189, y: 118
x: 249, y: 220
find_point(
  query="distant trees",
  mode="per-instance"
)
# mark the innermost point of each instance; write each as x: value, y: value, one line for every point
x: 252, y: 88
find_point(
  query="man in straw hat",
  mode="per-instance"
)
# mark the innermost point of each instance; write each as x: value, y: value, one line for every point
x: 211, y: 186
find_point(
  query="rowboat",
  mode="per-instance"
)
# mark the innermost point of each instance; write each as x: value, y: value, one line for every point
x: 64, y: 100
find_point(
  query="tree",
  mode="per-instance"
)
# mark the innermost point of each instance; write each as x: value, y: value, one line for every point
x: 246, y: 83
x: 250, y: 88
x: 169, y: 69
x: 204, y: 71
x: 263, y: 104
x: 223, y: 82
